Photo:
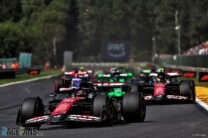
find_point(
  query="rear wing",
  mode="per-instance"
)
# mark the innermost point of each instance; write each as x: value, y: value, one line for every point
x: 100, y: 75
x: 173, y: 74
x: 79, y: 75
x: 108, y: 84
x: 148, y: 71
x: 129, y: 74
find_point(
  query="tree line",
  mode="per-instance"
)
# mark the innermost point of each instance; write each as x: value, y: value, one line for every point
x: 48, y: 27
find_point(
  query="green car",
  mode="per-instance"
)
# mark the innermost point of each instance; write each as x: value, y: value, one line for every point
x: 127, y: 100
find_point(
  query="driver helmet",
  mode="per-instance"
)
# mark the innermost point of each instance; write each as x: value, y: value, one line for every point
x: 154, y: 70
x: 155, y: 79
x: 76, y: 70
x: 75, y: 82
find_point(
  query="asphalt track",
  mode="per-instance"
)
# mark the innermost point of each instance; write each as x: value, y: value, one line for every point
x: 162, y: 121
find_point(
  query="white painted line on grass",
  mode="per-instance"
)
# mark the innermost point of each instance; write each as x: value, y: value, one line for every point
x: 202, y: 104
x: 30, y: 80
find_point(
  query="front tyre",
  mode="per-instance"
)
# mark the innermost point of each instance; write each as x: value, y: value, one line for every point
x: 187, y: 89
x: 30, y: 107
x: 103, y: 108
x: 134, y: 108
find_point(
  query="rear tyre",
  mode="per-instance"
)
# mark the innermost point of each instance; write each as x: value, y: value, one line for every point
x: 31, y: 107
x: 193, y: 91
x: 103, y: 108
x: 187, y: 89
x: 133, y: 88
x: 134, y: 108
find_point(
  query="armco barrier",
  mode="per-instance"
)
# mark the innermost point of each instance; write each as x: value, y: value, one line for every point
x: 185, y: 60
x: 195, y: 72
x: 99, y: 64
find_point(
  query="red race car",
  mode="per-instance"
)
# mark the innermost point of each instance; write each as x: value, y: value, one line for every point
x: 161, y: 86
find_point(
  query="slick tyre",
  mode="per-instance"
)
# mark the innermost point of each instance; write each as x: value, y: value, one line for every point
x: 133, y: 88
x: 30, y: 108
x: 134, y: 108
x: 103, y: 108
x: 193, y: 97
x: 187, y: 89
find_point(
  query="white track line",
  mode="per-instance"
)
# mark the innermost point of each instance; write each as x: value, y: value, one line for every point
x: 30, y: 80
x: 202, y: 104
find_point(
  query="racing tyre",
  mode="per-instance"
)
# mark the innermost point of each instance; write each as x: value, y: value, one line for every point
x: 193, y: 98
x: 133, y: 88
x: 102, y: 107
x: 187, y: 89
x: 30, y: 108
x: 134, y: 108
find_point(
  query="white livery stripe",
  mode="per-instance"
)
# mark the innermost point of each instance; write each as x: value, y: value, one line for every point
x: 83, y: 118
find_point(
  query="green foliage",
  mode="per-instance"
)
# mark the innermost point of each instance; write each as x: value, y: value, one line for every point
x: 35, y: 31
x: 10, y: 10
x: 14, y: 42
x: 77, y: 25
x: 165, y: 25
x: 31, y: 6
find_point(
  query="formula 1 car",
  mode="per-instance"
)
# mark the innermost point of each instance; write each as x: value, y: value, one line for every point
x: 161, y: 86
x: 119, y: 87
x: 123, y: 96
x: 80, y: 105
x: 77, y: 84
x: 67, y: 77
x: 115, y: 77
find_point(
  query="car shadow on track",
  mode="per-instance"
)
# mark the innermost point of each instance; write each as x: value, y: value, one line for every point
x: 167, y: 102
x: 90, y: 125
x: 75, y: 126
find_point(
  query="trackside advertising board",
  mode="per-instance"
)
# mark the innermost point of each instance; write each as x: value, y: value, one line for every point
x: 115, y: 51
x: 203, y: 76
x: 189, y: 74
x: 33, y: 71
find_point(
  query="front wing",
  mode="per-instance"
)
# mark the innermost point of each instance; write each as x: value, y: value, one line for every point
x: 167, y: 97
x: 58, y: 119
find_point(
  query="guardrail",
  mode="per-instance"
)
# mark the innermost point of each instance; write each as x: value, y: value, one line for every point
x: 22, y: 70
x: 201, y: 74
x: 199, y: 69
x: 100, y: 64
x: 185, y: 60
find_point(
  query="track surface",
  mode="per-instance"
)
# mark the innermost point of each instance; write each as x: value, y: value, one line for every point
x: 162, y: 121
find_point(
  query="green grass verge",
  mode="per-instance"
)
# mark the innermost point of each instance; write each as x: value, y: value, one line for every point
x: 23, y: 77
